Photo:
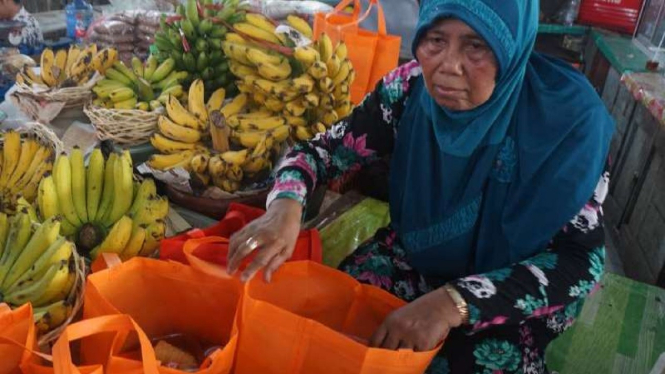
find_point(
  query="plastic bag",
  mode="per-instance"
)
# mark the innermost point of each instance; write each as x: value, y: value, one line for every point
x: 280, y: 9
x: 112, y: 27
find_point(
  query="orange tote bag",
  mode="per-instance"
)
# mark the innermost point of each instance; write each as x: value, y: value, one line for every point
x: 119, y: 327
x: 314, y: 319
x: 165, y: 298
x: 373, y: 54
x: 17, y: 337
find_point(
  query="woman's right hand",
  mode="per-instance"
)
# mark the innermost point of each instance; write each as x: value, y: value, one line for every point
x: 274, y: 236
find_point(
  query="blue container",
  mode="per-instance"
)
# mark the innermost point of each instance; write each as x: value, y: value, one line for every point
x: 79, y: 17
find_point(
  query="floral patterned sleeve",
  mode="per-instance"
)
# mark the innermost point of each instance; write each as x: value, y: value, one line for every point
x: 553, y: 282
x: 365, y: 136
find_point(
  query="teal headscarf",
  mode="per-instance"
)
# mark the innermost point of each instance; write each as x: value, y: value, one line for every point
x: 472, y: 191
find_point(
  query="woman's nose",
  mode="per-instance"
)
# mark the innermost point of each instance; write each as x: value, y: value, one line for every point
x: 451, y: 62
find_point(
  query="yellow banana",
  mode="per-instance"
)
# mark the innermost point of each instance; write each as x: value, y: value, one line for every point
x: 274, y: 105
x: 307, y: 55
x: 53, y: 315
x: 168, y: 146
x: 329, y: 118
x: 178, y: 114
x: 170, y: 161
x: 30, y: 190
x: 122, y: 94
x: 117, y: 238
x: 295, y: 108
x: 269, y: 123
x: 60, y: 251
x: 319, y: 128
x: 46, y: 68
x: 217, y: 166
x: 216, y: 100
x: 147, y: 190
x: 241, y: 70
x: 333, y: 66
x: 48, y: 206
x: 94, y: 183
x: 341, y: 91
x: 260, y: 21
x: 153, y: 210
x: 199, y: 163
x: 31, y: 292
x: 123, y: 189
x: 342, y: 51
x: 303, y: 133
x: 11, y: 154
x: 325, y: 47
x: 255, y: 164
x: 20, y: 233
x: 104, y: 59
x: 177, y: 132
x: 256, y: 57
x: 196, y: 101
x: 62, y: 176
x: 126, y: 104
x: 235, y: 158
x: 41, y: 157
x: 59, y: 282
x: 107, y: 191
x: 4, y: 233
x: 343, y: 73
x: 256, y: 32
x: 78, y: 183
x: 154, y: 234
x: 303, y: 83
x: 59, y: 65
x: 235, y: 106
x: 295, y: 121
x: 47, y: 233
x: 264, y: 146
x: 135, y: 244
x: 236, y: 53
x: 163, y: 70
x: 318, y: 70
x: 29, y: 148
x: 300, y: 25
x: 275, y: 72
x: 344, y: 109
x: 311, y: 100
x: 72, y: 55
x: 150, y: 68
x: 234, y: 173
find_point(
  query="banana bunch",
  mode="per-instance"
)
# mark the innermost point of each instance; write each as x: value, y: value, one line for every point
x: 193, y: 39
x: 102, y: 208
x: 307, y: 88
x: 37, y: 266
x: 182, y: 139
x: 23, y: 163
x: 146, y: 86
x: 69, y: 68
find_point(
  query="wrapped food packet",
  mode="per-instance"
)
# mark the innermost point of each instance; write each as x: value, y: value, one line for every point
x: 280, y: 9
x: 113, y: 27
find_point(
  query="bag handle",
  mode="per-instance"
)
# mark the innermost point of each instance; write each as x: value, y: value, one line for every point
x: 62, y: 357
x: 381, y: 29
x: 6, y: 340
x: 105, y: 261
x: 204, y: 266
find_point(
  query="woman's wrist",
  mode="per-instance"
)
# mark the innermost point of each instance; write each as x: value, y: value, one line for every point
x: 461, y: 308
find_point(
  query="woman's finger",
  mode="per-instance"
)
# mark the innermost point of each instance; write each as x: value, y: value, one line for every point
x: 379, y: 336
x: 403, y: 344
x: 262, y: 259
x: 392, y: 341
x: 236, y: 241
x: 275, y: 263
x: 252, y: 241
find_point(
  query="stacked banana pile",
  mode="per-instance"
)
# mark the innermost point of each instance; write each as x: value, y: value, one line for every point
x: 37, y: 266
x: 184, y: 140
x: 193, y: 39
x: 309, y: 90
x: 103, y: 209
x: 144, y: 87
x: 69, y: 68
x: 23, y: 163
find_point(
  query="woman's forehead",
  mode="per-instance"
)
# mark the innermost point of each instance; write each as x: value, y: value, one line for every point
x: 448, y: 26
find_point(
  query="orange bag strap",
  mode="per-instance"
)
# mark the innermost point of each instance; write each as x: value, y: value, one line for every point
x: 105, y: 261
x: 204, y: 266
x: 62, y: 357
x: 382, y: 29
x: 6, y: 340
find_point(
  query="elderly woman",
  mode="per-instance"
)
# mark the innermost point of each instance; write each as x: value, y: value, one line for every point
x: 496, y: 233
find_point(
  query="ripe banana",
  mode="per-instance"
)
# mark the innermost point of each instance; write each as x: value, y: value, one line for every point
x: 59, y: 251
x: 107, y: 192
x: 325, y: 47
x: 303, y: 133
x: 295, y: 108
x: 168, y: 146
x: 20, y: 233
x: 94, y: 183
x: 307, y: 55
x: 163, y: 70
x: 147, y: 190
x: 150, y: 68
x: 171, y: 161
x: 178, y: 114
x: 196, y: 101
x: 235, y: 106
x: 154, y: 234
x: 176, y: 132
x: 135, y: 243
x: 199, y: 163
x: 48, y: 199
x: 270, y: 123
x: 235, y: 158
x: 342, y: 51
x: 117, y: 238
x: 78, y: 183
x: 256, y: 32
x: 300, y: 25
x: 275, y: 72
x: 216, y: 100
x: 256, y: 57
x: 11, y: 153
x: 123, y: 189
x: 62, y: 176
x: 318, y: 70
x: 47, y: 64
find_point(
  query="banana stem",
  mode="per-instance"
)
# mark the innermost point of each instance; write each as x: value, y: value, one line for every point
x: 219, y: 132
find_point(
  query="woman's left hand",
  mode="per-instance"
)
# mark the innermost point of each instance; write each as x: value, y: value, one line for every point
x: 420, y: 325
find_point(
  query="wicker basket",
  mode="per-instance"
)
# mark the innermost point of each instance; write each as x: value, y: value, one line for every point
x: 75, y: 298
x: 123, y: 126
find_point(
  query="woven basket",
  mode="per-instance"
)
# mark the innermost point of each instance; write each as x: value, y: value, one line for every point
x: 75, y: 298
x: 125, y: 127
x: 71, y: 96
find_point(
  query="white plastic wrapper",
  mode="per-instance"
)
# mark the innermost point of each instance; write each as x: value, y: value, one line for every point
x: 279, y: 9
x: 160, y: 5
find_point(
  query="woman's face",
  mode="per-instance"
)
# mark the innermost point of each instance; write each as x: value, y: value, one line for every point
x: 8, y: 9
x: 458, y: 66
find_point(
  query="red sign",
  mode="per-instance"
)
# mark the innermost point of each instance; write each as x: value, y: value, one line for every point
x: 619, y: 15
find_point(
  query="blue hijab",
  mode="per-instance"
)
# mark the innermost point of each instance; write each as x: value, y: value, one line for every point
x: 474, y: 191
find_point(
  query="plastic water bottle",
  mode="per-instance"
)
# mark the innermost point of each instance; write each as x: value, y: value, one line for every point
x: 570, y: 12
x: 79, y: 17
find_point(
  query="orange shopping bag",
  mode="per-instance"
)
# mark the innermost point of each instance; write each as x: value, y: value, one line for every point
x: 165, y: 298
x: 119, y: 326
x: 17, y: 337
x: 312, y: 319
x: 373, y: 54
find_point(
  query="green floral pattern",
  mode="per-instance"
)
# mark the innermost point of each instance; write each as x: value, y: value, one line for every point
x: 497, y: 355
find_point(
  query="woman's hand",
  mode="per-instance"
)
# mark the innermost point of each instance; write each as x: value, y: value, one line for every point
x: 274, y: 236
x: 420, y: 325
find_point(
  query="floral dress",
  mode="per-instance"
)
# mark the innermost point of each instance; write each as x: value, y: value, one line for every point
x: 514, y: 312
x: 29, y: 39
